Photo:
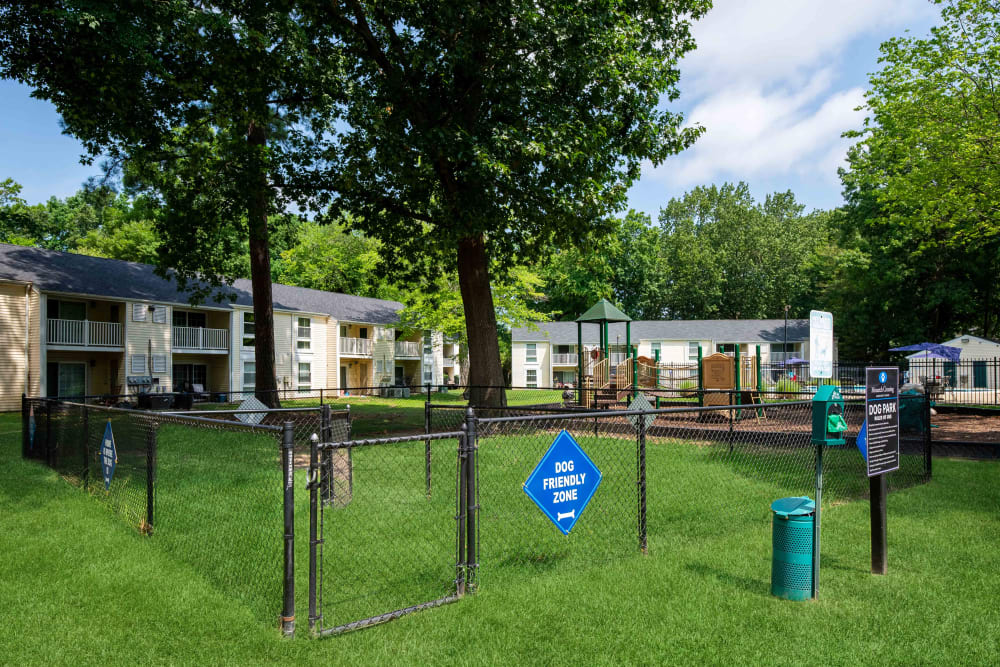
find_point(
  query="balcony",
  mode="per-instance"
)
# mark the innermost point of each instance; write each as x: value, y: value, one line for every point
x: 448, y: 361
x: 83, y: 333
x: 564, y: 359
x: 407, y: 349
x: 361, y: 347
x: 200, y: 339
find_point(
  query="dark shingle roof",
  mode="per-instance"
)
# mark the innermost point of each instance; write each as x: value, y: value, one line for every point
x: 54, y: 271
x: 730, y: 331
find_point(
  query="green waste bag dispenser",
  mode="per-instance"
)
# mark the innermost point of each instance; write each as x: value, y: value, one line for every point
x: 828, y: 423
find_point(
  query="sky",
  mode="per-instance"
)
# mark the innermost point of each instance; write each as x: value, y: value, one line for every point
x: 773, y: 82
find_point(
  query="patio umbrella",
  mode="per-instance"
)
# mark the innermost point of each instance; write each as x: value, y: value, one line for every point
x: 942, y: 351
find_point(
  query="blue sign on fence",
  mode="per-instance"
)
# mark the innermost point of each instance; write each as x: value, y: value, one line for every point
x: 109, y: 456
x: 563, y: 482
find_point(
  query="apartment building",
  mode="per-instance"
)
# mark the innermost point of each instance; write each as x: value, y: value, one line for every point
x: 545, y: 354
x: 76, y: 325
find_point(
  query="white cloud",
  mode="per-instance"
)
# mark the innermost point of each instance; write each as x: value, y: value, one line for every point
x: 771, y: 83
x: 760, y: 41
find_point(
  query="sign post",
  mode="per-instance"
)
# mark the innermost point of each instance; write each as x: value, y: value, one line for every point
x: 879, y: 442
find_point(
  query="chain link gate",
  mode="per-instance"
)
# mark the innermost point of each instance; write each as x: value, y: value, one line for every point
x: 367, y: 497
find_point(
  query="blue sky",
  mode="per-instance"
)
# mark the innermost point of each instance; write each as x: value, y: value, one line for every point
x: 774, y: 82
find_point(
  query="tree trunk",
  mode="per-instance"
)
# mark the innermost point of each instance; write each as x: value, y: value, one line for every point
x: 266, y: 387
x: 485, y: 373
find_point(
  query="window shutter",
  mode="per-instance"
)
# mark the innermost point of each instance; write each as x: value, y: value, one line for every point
x: 138, y: 312
x: 138, y: 364
x: 159, y: 363
x: 160, y: 314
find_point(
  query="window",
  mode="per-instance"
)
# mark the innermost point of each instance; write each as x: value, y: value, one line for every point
x: 654, y: 350
x: 428, y: 349
x: 138, y: 365
x: 383, y: 333
x: 531, y: 377
x: 693, y: 351
x: 362, y: 332
x: 305, y: 375
x: 248, y: 330
x: 159, y: 314
x: 304, y: 334
x: 183, y: 318
x: 531, y: 353
x: 726, y: 348
x: 138, y: 312
x: 159, y: 363
x: 249, y: 375
x: 66, y: 310
x: 428, y: 376
x: 343, y: 331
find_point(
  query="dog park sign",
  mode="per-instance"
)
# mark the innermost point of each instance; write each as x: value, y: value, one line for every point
x: 563, y: 482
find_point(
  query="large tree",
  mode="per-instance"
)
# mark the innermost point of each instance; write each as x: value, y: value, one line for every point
x: 474, y: 134
x: 198, y: 101
x: 924, y: 180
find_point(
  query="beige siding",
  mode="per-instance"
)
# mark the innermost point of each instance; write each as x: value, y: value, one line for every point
x: 333, y: 352
x: 384, y: 351
x: 283, y: 345
x: 320, y: 353
x: 35, y: 344
x: 148, y: 338
x: 13, y: 363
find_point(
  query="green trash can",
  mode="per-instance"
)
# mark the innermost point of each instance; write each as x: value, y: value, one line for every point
x: 792, y: 547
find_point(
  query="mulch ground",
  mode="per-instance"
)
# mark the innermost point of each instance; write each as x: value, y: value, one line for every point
x: 968, y: 428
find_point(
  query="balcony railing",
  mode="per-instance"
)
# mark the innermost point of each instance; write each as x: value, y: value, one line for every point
x: 359, y: 346
x: 448, y: 361
x: 564, y: 359
x: 200, y: 338
x: 407, y: 349
x: 84, y: 332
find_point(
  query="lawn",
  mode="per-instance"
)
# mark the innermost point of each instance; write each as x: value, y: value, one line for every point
x: 78, y: 584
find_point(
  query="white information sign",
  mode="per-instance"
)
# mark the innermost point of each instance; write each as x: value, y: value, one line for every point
x: 820, y: 344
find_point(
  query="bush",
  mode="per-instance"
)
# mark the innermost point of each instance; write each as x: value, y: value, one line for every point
x: 788, y: 385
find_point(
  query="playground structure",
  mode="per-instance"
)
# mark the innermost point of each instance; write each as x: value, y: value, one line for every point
x: 607, y: 379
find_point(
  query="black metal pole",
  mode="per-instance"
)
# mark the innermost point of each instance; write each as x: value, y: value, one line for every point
x: 461, y: 560
x: 471, y: 502
x: 86, y: 446
x: 150, y: 475
x: 288, y: 482
x: 427, y: 444
x: 928, y: 438
x: 641, y: 483
x: 314, y: 473
x: 25, y: 427
x: 816, y: 520
x: 327, y: 488
x: 878, y: 491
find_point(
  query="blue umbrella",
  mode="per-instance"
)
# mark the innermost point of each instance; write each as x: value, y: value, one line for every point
x: 939, y: 351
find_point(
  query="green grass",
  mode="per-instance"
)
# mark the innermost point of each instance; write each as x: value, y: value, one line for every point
x: 79, y: 585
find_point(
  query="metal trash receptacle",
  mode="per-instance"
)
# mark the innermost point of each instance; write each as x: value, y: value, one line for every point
x: 792, y: 524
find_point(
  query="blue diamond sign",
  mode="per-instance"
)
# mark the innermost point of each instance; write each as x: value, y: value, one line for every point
x: 109, y: 456
x: 563, y: 482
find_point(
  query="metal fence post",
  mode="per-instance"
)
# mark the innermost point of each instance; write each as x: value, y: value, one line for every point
x: 150, y: 475
x: 641, y: 482
x: 25, y: 427
x: 326, y: 435
x: 49, y: 453
x: 928, y: 437
x: 86, y: 446
x: 312, y: 485
x: 288, y: 482
x: 461, y: 561
x: 427, y: 443
x: 471, y: 503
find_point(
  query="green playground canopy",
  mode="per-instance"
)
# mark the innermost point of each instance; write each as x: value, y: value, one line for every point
x: 603, y: 311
